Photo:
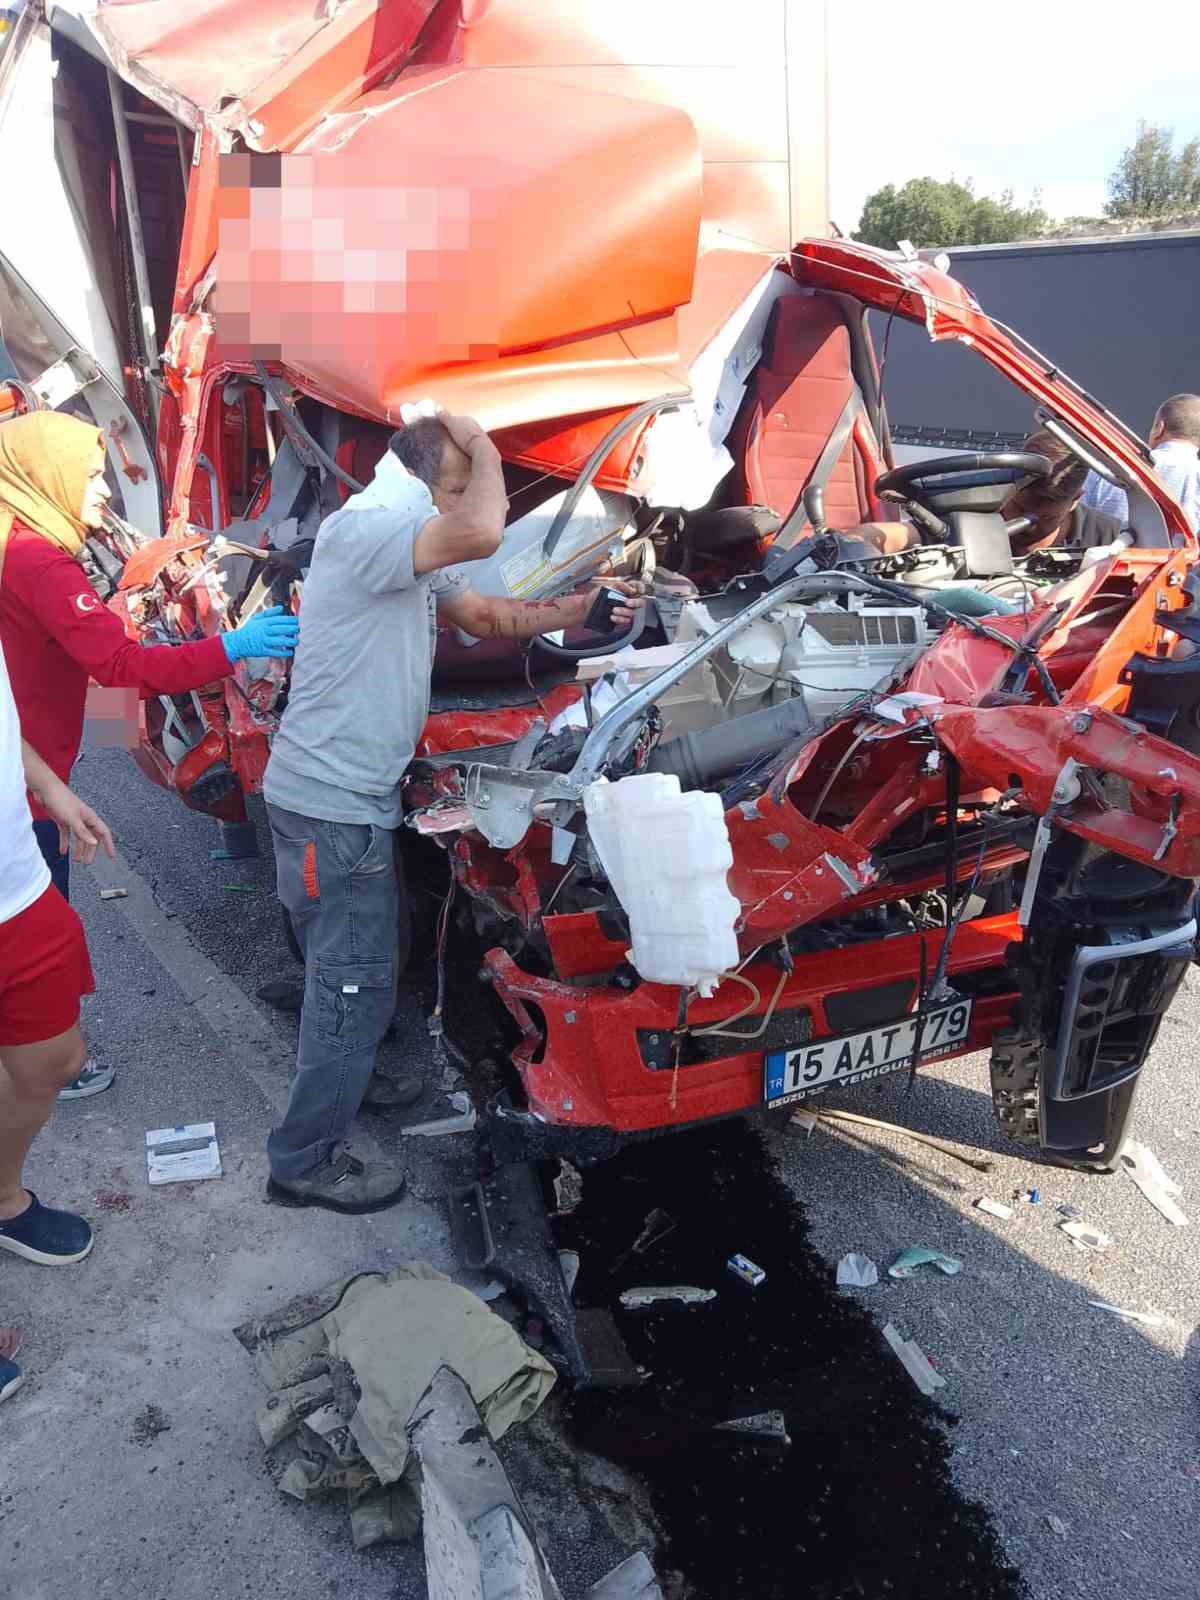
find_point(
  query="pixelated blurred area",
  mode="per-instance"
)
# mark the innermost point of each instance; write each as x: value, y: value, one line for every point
x: 445, y: 227
x: 111, y: 718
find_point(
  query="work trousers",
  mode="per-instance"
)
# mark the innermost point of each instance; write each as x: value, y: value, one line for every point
x: 343, y: 886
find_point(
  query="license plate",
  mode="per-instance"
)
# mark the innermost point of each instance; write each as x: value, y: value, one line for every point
x: 791, y: 1075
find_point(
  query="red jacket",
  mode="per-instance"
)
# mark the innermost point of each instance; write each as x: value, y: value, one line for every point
x: 57, y: 633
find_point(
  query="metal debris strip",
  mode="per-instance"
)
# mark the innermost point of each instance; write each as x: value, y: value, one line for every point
x: 1085, y: 1238
x: 948, y: 1147
x: 114, y: 894
x: 762, y: 1425
x: 914, y: 1361
x: 686, y: 1294
x: 1143, y: 1168
x: 1149, y: 1319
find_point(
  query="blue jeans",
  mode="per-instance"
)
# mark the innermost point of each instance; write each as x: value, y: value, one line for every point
x: 59, y: 861
x: 343, y: 888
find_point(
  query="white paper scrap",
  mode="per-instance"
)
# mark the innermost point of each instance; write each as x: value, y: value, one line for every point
x: 857, y: 1271
x: 1143, y: 1166
x: 914, y: 1361
x: 993, y: 1207
x: 183, y: 1155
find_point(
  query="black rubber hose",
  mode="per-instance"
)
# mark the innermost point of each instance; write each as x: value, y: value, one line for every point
x: 699, y: 760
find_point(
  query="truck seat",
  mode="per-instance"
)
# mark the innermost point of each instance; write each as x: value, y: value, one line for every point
x: 793, y: 401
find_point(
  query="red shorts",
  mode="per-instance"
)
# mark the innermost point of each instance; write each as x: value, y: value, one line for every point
x: 44, y: 968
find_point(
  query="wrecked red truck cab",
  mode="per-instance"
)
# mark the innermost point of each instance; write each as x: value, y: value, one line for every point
x: 925, y: 796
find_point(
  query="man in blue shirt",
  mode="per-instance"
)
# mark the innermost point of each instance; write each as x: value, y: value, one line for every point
x: 1175, y: 446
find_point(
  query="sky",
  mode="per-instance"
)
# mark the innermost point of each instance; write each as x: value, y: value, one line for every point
x: 1046, y: 95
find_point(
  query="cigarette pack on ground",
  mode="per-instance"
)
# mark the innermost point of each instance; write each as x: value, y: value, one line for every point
x: 183, y: 1155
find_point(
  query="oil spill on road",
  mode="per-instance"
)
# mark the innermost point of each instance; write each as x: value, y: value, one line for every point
x: 862, y: 1503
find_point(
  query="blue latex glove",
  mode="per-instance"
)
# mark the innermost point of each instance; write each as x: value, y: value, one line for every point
x: 272, y: 632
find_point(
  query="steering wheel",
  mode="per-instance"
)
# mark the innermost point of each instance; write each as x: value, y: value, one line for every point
x: 940, y: 479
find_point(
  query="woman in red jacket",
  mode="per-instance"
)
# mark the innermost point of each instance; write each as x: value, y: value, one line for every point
x: 57, y: 633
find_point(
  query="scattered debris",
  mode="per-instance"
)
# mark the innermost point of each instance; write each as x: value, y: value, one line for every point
x: 920, y: 1255
x: 762, y: 1425
x: 802, y: 1122
x: 687, y: 1294
x: 914, y: 1361
x: 1143, y: 1166
x: 657, y: 1226
x: 148, y: 1424
x: 114, y: 894
x: 492, y: 1291
x: 240, y: 888
x: 1151, y: 1319
x: 461, y: 1101
x: 461, y: 1122
x: 183, y: 1155
x: 993, y: 1207
x: 568, y: 1189
x: 856, y: 1271
x: 568, y: 1260
x: 1034, y: 1196
x: 113, y: 1200
x: 632, y: 1580
x: 948, y: 1147
x: 742, y: 1267
x: 1073, y: 1213
x: 1056, y: 1525
x: 1086, y: 1238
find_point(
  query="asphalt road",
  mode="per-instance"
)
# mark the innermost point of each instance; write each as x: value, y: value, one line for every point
x: 1063, y: 1410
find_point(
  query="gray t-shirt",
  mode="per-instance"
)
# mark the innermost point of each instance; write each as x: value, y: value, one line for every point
x: 360, y: 681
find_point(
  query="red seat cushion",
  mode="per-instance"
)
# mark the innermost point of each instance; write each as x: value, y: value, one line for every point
x: 794, y: 399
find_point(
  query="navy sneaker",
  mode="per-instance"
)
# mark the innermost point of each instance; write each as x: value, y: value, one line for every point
x: 92, y: 1079
x: 11, y: 1377
x: 51, y: 1238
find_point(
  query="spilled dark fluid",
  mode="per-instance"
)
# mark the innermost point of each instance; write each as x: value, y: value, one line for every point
x: 861, y: 1504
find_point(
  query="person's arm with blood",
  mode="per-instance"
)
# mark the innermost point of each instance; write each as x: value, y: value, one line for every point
x: 486, y: 616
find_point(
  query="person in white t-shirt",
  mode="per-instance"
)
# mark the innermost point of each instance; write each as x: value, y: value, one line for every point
x: 44, y: 968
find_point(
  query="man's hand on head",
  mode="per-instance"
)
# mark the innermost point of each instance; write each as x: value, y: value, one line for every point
x: 465, y: 432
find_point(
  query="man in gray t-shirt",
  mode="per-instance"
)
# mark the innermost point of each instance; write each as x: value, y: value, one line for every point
x: 383, y: 567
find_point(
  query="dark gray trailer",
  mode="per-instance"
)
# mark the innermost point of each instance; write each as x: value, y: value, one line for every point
x: 1120, y: 315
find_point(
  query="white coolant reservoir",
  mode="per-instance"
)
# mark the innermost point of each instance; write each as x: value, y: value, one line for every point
x: 666, y: 855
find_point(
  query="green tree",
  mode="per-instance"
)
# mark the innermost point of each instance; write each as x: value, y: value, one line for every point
x: 927, y: 211
x: 1150, y: 180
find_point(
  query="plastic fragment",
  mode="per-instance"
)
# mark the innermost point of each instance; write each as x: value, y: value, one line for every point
x: 1086, y: 1238
x: 686, y: 1293
x: 1144, y: 1168
x: 568, y: 1189
x: 568, y: 1260
x: 1070, y: 1211
x: 993, y: 1207
x: 914, y: 1361
x: 920, y: 1255
x: 1150, y: 1319
x: 802, y: 1122
x: 856, y: 1271
x: 1057, y: 1525
x: 742, y: 1267
x: 114, y: 894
